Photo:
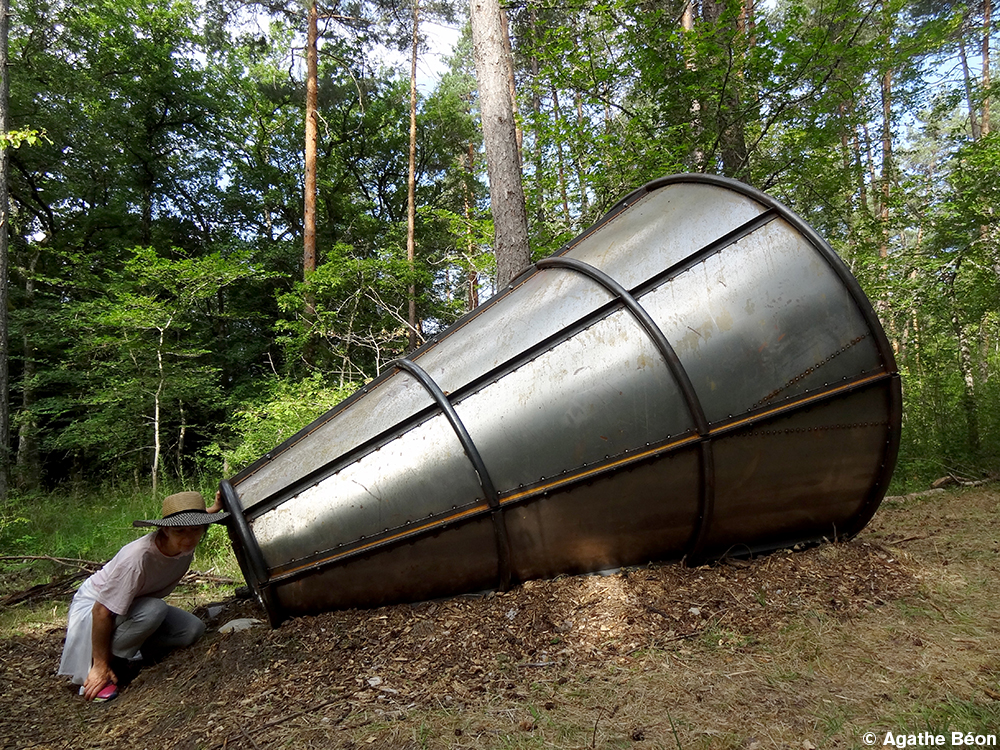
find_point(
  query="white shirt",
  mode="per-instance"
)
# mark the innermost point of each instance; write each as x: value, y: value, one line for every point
x: 139, y: 569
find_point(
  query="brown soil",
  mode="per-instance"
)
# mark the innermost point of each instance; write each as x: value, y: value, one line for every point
x: 892, y: 631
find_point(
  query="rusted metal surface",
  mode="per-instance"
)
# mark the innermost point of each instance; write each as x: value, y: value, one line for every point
x: 698, y: 374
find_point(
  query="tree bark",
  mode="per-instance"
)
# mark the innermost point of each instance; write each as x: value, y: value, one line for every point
x: 536, y: 108
x: 969, y: 98
x: 510, y: 218
x: 581, y: 156
x: 987, y: 23
x: 687, y: 26
x: 4, y: 214
x: 886, y: 181
x: 411, y: 184
x: 312, y: 138
x: 731, y: 136
x: 472, y: 280
x: 966, y: 368
x: 560, y: 160
x: 511, y: 84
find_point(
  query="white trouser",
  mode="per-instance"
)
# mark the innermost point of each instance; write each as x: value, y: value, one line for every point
x: 150, y: 624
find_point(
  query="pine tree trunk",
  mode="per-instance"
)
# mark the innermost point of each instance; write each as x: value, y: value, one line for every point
x: 967, y: 370
x: 987, y: 23
x: 886, y: 180
x: 729, y: 119
x: 581, y: 160
x: 411, y: 184
x: 511, y: 84
x: 312, y: 138
x: 472, y: 280
x: 309, y: 193
x: 510, y: 219
x: 536, y: 107
x: 969, y: 98
x: 560, y: 162
x: 687, y: 25
x: 882, y: 303
x: 4, y: 213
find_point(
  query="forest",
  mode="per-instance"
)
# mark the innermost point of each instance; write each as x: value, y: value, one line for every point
x: 167, y: 321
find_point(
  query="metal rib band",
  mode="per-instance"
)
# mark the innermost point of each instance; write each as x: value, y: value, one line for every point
x: 707, y: 498
x: 259, y: 574
x: 489, y: 489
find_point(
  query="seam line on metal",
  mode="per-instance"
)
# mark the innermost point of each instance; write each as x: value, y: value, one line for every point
x: 649, y: 325
x: 492, y: 497
x: 330, y: 557
x: 727, y: 239
x: 707, y: 499
x: 712, y: 248
x: 317, y: 475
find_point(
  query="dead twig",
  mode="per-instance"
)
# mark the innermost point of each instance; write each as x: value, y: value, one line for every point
x: 68, y: 561
x: 593, y: 740
x: 659, y: 612
x: 249, y: 738
x: 911, y: 538
x: 59, y: 587
x: 195, y: 576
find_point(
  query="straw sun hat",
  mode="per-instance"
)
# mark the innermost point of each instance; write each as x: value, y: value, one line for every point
x: 184, y: 509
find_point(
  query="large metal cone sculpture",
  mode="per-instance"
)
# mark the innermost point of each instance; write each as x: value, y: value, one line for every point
x: 696, y: 375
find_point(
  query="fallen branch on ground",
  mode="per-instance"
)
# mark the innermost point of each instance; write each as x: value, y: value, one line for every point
x: 68, y: 561
x: 63, y: 586
x: 52, y: 589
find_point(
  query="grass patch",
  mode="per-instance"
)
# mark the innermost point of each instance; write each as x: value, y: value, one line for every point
x: 31, y: 619
x: 953, y: 714
x: 90, y: 527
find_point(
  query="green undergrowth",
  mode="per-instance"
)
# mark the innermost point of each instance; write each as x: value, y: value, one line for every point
x: 90, y: 526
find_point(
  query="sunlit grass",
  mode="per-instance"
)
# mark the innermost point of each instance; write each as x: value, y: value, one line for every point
x: 89, y: 527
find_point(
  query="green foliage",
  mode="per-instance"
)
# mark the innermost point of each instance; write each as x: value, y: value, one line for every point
x: 277, y: 410
x: 145, y: 344
x: 94, y: 526
x: 355, y: 311
x: 157, y: 294
x: 18, y: 138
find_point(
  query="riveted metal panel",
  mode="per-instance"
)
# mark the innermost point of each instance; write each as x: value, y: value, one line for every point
x: 540, y: 421
x: 697, y: 374
x: 387, y: 404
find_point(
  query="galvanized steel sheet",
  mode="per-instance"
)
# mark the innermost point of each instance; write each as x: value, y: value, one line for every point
x: 698, y: 374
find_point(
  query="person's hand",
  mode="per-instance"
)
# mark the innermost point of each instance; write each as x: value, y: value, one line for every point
x: 99, y: 676
x: 217, y: 505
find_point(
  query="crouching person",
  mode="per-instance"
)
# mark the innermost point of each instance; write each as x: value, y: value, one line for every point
x: 120, y: 609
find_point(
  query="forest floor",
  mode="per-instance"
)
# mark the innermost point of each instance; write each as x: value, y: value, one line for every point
x: 895, y: 631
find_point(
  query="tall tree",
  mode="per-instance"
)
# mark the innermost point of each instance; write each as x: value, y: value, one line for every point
x: 499, y: 134
x: 312, y: 138
x: 4, y: 211
x: 411, y: 179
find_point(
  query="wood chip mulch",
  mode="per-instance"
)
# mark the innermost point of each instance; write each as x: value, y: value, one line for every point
x: 464, y: 650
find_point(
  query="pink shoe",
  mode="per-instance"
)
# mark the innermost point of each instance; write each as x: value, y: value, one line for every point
x: 108, y: 692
